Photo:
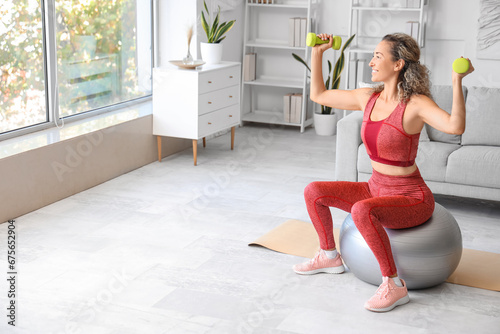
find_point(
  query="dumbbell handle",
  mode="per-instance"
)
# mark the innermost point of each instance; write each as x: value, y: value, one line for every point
x: 460, y: 65
x: 313, y: 40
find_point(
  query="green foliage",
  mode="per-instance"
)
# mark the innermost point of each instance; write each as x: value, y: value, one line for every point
x: 215, y: 31
x: 22, y: 62
x: 333, y: 79
x: 99, y: 18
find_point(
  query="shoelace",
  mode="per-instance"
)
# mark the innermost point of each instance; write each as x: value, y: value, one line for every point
x: 315, y: 258
x: 383, y: 291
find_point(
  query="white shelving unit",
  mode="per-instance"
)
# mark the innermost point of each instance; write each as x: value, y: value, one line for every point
x: 277, y: 72
x: 370, y: 20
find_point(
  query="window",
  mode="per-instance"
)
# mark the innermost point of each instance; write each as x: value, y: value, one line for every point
x: 22, y: 92
x: 102, y: 52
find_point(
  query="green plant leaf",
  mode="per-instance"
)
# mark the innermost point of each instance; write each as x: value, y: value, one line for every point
x: 214, y: 30
x: 215, y: 26
x: 339, y: 66
x: 204, y: 24
x: 301, y: 61
x: 333, y: 77
x: 223, y: 29
x: 220, y: 39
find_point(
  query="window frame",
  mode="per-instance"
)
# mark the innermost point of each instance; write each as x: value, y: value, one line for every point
x: 53, y: 119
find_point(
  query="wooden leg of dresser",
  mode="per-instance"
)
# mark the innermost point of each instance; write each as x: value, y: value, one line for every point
x: 204, y: 142
x: 195, y: 151
x: 232, y: 137
x: 158, y: 140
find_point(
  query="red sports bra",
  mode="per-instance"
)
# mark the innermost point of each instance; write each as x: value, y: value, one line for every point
x: 386, y: 141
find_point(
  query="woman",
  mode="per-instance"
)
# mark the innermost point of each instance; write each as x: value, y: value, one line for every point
x: 396, y: 196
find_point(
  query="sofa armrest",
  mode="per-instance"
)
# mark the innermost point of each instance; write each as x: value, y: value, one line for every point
x: 348, y: 141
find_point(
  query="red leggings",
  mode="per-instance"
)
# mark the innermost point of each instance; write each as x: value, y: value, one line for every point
x: 394, y: 202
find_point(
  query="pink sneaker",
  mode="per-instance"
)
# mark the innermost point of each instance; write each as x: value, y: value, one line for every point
x: 388, y: 296
x: 320, y: 263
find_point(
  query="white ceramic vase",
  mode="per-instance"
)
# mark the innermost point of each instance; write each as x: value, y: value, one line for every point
x: 325, y: 124
x: 211, y: 53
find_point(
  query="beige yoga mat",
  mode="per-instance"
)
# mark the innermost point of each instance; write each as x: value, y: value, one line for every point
x: 476, y: 268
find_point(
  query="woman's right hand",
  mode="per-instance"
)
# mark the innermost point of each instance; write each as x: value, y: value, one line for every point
x: 323, y: 47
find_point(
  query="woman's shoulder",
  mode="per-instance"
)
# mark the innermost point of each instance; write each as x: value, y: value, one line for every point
x: 364, y: 95
x: 420, y: 100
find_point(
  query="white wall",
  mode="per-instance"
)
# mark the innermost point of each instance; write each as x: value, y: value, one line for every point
x: 230, y: 10
x: 451, y: 32
x: 174, y: 19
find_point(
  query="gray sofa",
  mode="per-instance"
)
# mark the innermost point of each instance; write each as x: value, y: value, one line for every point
x: 465, y: 166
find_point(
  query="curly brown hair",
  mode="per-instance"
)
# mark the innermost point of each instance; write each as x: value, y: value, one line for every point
x: 414, y: 77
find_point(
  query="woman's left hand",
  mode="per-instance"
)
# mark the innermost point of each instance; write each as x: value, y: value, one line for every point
x: 462, y: 75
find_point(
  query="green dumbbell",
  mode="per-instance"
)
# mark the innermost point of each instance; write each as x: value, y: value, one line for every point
x: 461, y: 65
x: 313, y: 40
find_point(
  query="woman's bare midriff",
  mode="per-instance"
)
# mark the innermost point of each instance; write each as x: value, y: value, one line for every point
x: 393, y: 170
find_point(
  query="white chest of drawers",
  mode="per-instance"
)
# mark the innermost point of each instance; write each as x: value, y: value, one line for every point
x: 195, y: 103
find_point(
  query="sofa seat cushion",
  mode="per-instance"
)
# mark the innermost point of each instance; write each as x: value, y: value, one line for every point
x: 432, y: 159
x: 475, y: 165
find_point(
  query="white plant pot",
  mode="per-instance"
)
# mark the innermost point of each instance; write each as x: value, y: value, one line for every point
x: 211, y: 53
x: 325, y: 124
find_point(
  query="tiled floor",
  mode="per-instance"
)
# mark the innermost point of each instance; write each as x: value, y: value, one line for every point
x: 163, y: 249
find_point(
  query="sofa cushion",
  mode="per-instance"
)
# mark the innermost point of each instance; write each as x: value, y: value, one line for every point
x: 475, y: 165
x: 443, y: 96
x: 432, y: 159
x: 482, y: 117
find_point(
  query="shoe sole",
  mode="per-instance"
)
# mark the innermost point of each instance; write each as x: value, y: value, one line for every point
x: 331, y: 270
x: 399, y: 302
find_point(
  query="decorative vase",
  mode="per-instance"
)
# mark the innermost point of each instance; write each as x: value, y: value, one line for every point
x: 85, y: 46
x: 211, y: 53
x: 325, y: 124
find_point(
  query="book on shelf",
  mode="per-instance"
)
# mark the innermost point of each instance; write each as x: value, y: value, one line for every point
x: 291, y: 31
x: 249, y: 67
x: 297, y: 31
x: 295, y: 108
x: 303, y: 31
x: 359, y: 71
x: 412, y: 29
x: 413, y: 3
x: 287, y: 99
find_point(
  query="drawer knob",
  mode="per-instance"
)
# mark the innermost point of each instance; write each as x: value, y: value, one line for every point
x: 230, y: 77
x: 230, y: 96
x: 210, y: 82
x: 230, y: 115
x: 209, y: 123
x: 209, y: 102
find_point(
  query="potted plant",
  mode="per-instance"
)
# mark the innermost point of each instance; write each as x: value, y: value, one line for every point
x: 325, y: 122
x: 211, y: 51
